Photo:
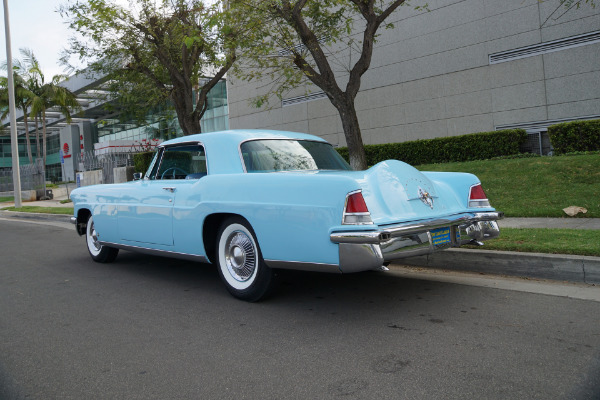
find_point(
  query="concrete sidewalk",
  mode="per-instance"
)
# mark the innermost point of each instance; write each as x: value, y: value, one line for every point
x: 60, y: 194
x: 581, y: 269
x: 553, y: 223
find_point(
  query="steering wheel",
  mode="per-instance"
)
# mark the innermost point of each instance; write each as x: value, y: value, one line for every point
x: 173, y: 171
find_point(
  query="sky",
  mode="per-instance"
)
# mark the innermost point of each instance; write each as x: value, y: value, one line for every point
x: 35, y: 24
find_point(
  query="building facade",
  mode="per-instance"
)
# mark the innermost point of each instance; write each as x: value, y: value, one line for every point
x: 98, y: 131
x: 465, y: 66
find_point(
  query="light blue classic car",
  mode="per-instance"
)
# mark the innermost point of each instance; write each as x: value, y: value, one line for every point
x: 252, y: 201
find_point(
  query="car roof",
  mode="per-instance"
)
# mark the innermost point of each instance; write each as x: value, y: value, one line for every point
x: 237, y: 136
x: 225, y: 145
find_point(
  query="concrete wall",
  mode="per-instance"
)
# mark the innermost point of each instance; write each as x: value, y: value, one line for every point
x: 26, y: 195
x: 123, y: 174
x: 431, y: 75
x: 88, y: 178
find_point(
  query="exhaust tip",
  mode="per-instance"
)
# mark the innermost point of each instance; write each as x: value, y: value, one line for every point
x: 385, y: 236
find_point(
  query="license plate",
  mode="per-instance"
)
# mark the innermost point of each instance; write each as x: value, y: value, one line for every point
x: 440, y: 236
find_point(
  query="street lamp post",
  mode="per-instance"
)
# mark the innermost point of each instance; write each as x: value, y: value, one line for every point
x: 11, y: 110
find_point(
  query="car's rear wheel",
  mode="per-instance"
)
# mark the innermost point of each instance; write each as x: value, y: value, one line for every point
x: 240, y: 261
x: 98, y: 252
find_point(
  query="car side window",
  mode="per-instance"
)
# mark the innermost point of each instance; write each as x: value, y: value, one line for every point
x: 182, y: 162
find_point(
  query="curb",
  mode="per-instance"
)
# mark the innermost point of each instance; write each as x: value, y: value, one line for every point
x: 561, y: 267
x: 36, y: 216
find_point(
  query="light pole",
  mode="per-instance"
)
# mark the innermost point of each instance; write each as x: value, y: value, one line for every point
x: 11, y: 111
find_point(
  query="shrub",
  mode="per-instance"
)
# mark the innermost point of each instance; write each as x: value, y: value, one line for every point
x: 575, y: 136
x: 141, y: 161
x: 474, y: 146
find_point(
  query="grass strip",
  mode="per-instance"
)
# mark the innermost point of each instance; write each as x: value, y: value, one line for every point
x: 536, y: 187
x: 553, y: 241
x: 7, y: 199
x: 42, y: 210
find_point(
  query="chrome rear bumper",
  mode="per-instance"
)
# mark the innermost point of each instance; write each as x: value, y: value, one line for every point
x: 365, y: 250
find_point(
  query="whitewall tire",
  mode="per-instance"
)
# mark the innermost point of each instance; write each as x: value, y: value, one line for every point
x: 98, y: 252
x: 240, y: 262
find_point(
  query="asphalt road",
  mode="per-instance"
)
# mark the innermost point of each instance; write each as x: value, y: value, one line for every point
x: 154, y: 328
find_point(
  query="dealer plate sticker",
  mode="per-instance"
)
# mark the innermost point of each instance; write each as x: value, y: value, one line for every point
x: 440, y: 236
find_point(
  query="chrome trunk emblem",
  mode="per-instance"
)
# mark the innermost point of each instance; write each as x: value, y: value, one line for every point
x: 426, y: 198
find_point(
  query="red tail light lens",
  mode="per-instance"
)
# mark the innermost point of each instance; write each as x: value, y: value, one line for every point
x: 356, y: 204
x: 477, y: 197
x: 356, y: 211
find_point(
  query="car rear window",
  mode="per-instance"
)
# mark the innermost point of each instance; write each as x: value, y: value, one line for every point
x: 271, y: 155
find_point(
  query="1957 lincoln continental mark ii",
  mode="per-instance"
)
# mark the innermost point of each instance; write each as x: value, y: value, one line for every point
x: 251, y: 201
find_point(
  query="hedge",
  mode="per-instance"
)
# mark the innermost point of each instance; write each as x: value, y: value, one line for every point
x: 569, y: 137
x: 474, y: 146
x: 141, y: 161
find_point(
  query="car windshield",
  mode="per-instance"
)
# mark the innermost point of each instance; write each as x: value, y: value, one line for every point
x: 291, y: 155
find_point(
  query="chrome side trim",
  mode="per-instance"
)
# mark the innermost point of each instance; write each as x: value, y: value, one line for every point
x: 155, y: 252
x: 73, y: 220
x: 303, y: 266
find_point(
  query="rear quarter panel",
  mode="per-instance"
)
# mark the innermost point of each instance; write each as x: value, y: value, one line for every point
x: 292, y: 214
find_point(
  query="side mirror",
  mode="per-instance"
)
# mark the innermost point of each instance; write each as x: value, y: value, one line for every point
x: 137, y: 176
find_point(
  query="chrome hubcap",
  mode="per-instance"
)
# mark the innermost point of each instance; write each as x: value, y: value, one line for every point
x: 240, y: 256
x: 94, y: 238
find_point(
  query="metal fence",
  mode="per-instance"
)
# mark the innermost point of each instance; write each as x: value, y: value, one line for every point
x: 105, y: 162
x: 32, y: 177
x: 538, y: 143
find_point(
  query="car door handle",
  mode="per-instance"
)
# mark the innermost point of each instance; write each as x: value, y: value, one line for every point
x: 169, y: 189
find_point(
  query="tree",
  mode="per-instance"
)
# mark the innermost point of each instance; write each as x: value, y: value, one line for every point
x: 308, y: 40
x: 23, y: 98
x: 564, y: 6
x: 24, y: 80
x: 51, y: 94
x: 156, y: 51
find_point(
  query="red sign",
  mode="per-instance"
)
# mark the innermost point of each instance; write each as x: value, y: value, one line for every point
x: 66, y: 150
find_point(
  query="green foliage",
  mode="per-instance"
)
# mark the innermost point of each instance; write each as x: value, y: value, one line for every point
x: 474, y: 146
x: 310, y: 44
x: 152, y: 51
x: 575, y: 136
x: 42, y: 210
x: 537, y: 186
x: 550, y: 241
x: 141, y: 161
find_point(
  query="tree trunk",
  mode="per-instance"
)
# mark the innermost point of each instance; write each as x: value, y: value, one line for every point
x: 37, y: 137
x: 44, y: 138
x: 188, y: 120
x: 356, y: 150
x: 27, y: 137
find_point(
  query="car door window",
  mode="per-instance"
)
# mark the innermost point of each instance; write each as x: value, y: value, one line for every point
x: 182, y: 162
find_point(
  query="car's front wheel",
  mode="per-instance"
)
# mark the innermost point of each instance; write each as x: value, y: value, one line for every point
x: 240, y: 262
x: 98, y: 252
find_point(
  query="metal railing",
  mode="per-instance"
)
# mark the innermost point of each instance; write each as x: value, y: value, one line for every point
x: 32, y: 177
x: 105, y: 162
